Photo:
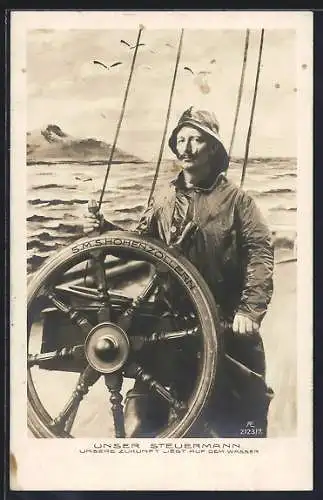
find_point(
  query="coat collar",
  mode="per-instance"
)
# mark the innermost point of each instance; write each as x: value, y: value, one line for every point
x: 206, y: 186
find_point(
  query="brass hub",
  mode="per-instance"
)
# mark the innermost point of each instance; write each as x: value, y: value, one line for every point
x: 107, y: 347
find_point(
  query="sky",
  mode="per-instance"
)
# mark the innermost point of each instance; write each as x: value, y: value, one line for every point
x: 64, y: 87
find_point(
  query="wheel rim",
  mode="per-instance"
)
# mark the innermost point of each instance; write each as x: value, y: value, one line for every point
x: 39, y: 420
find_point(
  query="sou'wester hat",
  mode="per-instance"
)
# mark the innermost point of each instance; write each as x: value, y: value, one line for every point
x: 204, y: 121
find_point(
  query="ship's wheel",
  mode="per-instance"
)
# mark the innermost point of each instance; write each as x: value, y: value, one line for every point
x: 120, y: 308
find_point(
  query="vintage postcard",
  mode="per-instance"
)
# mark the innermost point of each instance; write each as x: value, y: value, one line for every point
x: 161, y: 255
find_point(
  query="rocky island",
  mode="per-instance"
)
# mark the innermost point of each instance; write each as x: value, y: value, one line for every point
x: 53, y: 145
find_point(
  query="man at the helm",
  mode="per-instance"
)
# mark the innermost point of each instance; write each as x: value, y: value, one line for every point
x: 232, y: 250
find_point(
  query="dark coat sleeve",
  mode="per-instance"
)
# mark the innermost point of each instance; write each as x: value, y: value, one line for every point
x: 257, y: 258
x: 147, y: 224
x: 110, y: 226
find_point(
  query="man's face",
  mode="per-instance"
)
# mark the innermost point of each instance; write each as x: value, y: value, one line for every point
x: 193, y: 148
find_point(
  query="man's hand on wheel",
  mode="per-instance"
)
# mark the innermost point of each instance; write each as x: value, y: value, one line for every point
x: 243, y: 325
x: 92, y: 222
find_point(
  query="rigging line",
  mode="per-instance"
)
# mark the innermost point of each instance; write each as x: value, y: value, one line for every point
x: 244, y: 167
x: 167, y: 118
x: 239, y: 98
x: 120, y: 118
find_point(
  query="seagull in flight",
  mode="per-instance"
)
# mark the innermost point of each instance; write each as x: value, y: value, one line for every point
x: 131, y: 47
x: 189, y: 69
x: 87, y: 179
x: 107, y: 67
x: 199, y: 73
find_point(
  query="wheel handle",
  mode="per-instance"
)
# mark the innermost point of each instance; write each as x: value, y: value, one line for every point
x: 96, y: 263
x: 93, y: 208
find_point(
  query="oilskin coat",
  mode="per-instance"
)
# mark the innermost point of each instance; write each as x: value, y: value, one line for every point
x: 231, y: 246
x: 232, y: 250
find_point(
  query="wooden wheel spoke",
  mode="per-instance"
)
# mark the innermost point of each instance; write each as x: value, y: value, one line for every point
x: 139, y: 341
x: 179, y: 407
x: 96, y: 263
x: 64, y: 421
x: 125, y: 320
x: 92, y: 294
x: 175, y: 335
x: 74, y: 315
x: 114, y: 384
x: 70, y: 420
x: 83, y: 292
x: 67, y: 352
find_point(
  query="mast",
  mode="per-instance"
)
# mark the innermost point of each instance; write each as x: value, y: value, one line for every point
x: 245, y: 161
x: 239, y: 98
x: 167, y: 117
x: 120, y: 117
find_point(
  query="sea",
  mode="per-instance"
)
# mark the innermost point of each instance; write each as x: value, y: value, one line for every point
x: 58, y: 195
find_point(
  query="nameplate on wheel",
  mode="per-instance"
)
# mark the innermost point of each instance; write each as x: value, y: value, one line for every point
x: 157, y: 253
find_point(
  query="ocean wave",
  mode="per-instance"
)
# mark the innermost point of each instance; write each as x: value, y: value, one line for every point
x: 272, y: 192
x: 45, y: 173
x: 135, y: 209
x: 65, y: 228
x: 132, y: 187
x: 106, y: 192
x: 53, y: 186
x: 55, y: 202
x: 282, y: 175
x: 284, y: 242
x: 53, y: 235
x: 35, y: 261
x: 42, y: 247
x: 279, y: 191
x: 50, y: 220
x: 124, y: 220
x: 41, y: 218
x: 284, y: 209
